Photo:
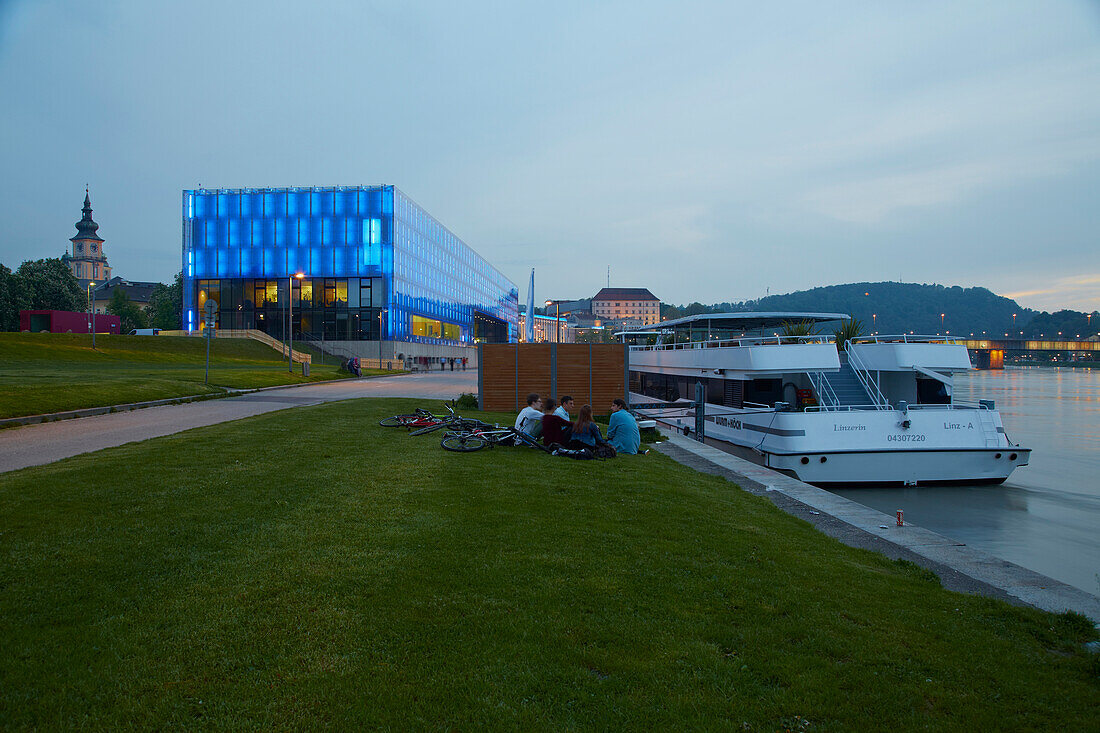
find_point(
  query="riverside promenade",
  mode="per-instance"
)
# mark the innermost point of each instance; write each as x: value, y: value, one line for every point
x: 35, y: 445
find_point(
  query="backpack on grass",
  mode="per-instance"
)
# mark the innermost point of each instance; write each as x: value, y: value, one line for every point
x: 605, y: 451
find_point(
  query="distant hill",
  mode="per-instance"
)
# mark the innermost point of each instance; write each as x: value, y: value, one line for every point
x: 891, y: 307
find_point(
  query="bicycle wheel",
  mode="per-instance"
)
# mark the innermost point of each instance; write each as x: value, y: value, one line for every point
x: 463, y: 443
x: 430, y: 428
x: 397, y: 421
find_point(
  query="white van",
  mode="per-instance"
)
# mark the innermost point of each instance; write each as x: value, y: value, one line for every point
x: 145, y: 332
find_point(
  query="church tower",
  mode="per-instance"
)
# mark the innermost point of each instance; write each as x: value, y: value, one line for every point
x: 87, y: 260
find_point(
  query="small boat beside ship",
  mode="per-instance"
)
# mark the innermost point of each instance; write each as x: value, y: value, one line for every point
x: 878, y: 410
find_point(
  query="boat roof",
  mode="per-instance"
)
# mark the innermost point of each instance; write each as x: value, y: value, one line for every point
x: 748, y: 321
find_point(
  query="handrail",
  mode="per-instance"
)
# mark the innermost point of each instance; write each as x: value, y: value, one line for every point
x: 248, y: 333
x: 864, y: 377
x: 743, y: 342
x: 842, y: 408
x: 906, y: 338
x: 340, y: 352
x: 823, y: 388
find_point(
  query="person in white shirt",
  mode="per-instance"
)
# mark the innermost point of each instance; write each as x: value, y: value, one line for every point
x: 531, y: 415
x: 564, y: 408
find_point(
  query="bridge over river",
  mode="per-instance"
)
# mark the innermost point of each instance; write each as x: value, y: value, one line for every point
x: 991, y: 352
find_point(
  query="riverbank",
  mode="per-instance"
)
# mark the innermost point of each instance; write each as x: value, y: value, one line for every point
x: 306, y: 567
x: 959, y: 567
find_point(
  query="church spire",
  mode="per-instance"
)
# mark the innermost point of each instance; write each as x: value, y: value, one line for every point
x: 86, y: 227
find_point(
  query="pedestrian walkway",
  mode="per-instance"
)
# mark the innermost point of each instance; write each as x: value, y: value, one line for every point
x: 35, y: 445
x: 960, y: 567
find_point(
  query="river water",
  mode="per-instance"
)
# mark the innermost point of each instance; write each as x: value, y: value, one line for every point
x: 1046, y: 517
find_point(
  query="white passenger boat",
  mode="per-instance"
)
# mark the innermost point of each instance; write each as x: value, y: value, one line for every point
x: 880, y: 410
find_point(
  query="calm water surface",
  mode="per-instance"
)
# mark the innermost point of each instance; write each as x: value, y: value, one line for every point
x: 1046, y: 517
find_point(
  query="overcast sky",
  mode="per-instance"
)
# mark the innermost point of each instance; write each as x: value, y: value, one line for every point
x: 707, y: 151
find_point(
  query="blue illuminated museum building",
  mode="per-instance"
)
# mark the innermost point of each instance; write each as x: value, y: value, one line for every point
x: 362, y: 260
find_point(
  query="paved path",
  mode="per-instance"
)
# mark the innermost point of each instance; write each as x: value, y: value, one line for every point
x: 960, y: 567
x: 35, y: 445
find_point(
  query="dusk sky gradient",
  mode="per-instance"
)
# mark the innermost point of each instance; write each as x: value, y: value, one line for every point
x: 708, y: 151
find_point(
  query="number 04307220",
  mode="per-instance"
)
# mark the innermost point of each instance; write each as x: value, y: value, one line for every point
x: 907, y: 438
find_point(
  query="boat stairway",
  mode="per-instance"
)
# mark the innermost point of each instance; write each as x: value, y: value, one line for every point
x: 847, y: 387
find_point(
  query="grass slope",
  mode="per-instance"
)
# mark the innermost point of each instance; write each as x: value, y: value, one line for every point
x: 41, y: 373
x: 307, y: 568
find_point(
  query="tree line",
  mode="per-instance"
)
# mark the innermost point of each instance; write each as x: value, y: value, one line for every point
x: 894, y: 308
x: 49, y: 284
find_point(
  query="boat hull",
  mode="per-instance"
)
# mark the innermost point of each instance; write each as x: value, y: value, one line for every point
x: 873, y: 447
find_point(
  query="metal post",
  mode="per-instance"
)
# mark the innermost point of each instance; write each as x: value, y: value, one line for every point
x: 91, y: 306
x: 700, y: 411
x: 289, y: 316
x: 206, y: 379
x: 379, y: 338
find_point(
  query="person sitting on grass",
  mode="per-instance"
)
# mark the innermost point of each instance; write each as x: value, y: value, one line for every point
x: 622, y: 431
x: 586, y: 434
x: 530, y: 416
x: 555, y: 431
x: 564, y: 408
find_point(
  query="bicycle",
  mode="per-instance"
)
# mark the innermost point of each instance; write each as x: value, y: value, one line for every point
x: 467, y: 442
x: 457, y: 423
x: 417, y: 419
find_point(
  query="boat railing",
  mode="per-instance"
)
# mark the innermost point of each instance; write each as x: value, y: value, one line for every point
x: 823, y: 389
x: 905, y: 338
x: 864, y: 408
x: 842, y: 408
x: 962, y: 405
x: 743, y: 342
x: 864, y: 377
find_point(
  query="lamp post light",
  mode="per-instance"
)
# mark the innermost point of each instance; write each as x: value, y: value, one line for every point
x: 91, y: 307
x: 941, y: 319
x: 1014, y: 320
x: 380, y: 312
x: 290, y: 319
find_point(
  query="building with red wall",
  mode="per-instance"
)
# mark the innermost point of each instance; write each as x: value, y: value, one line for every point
x: 67, y: 322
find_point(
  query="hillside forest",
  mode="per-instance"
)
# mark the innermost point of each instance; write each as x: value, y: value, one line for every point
x: 893, y: 308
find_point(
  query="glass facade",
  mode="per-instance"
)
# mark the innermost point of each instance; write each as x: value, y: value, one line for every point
x: 371, y: 261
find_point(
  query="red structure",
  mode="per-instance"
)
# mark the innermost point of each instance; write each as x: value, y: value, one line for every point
x: 68, y: 322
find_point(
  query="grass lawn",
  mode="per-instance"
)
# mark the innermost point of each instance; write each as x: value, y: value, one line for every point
x: 41, y: 373
x: 308, y: 568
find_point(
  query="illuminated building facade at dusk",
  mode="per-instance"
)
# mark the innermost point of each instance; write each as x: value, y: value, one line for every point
x: 366, y: 262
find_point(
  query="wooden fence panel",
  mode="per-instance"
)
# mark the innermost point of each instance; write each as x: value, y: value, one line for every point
x: 573, y: 374
x: 497, y: 377
x: 592, y: 373
x: 534, y: 371
x: 608, y: 376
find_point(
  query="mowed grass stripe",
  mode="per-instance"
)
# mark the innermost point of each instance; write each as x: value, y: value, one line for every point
x: 44, y: 373
x: 308, y: 568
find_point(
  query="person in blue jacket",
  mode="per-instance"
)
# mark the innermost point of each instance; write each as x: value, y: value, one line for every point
x: 586, y: 433
x: 622, y: 430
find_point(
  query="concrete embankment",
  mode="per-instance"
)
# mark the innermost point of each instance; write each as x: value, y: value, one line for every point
x: 959, y: 567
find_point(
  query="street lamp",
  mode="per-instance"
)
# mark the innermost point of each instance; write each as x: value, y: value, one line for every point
x: 874, y: 320
x: 941, y: 319
x: 380, y: 312
x: 91, y: 307
x: 1014, y: 320
x: 290, y: 319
